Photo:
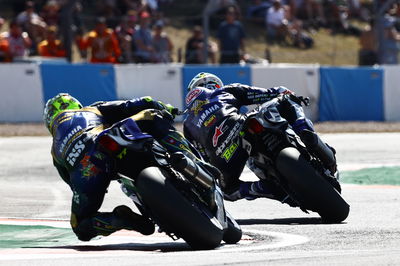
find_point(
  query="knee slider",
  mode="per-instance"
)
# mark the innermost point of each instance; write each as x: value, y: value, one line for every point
x: 84, y: 230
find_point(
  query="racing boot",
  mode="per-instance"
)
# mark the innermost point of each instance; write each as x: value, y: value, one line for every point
x: 106, y: 223
x: 125, y: 218
x: 260, y: 189
x: 320, y: 149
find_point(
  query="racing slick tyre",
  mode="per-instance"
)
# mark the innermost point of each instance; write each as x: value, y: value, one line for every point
x: 233, y: 233
x: 310, y: 188
x: 175, y: 212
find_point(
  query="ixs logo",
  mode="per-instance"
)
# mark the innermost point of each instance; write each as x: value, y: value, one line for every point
x: 218, y: 133
x: 206, y: 114
x: 76, y: 151
x: 192, y: 96
x: 198, y: 106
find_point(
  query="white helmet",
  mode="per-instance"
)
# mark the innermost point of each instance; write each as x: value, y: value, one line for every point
x: 207, y: 80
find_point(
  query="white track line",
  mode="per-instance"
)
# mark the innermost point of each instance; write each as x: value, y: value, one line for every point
x: 279, y: 240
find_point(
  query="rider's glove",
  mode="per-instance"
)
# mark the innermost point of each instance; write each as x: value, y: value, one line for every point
x: 171, y: 109
x: 300, y: 100
x: 283, y: 90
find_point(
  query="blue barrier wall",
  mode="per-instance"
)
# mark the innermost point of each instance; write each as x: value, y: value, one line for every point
x: 346, y: 93
x: 351, y: 94
x: 228, y: 74
x: 88, y: 83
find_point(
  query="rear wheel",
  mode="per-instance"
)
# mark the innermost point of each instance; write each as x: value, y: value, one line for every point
x: 181, y: 216
x: 310, y: 187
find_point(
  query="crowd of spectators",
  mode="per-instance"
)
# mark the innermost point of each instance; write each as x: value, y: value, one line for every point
x: 132, y: 31
x: 292, y: 22
x: 119, y: 31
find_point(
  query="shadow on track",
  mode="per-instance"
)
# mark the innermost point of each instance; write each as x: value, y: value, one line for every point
x: 159, y: 247
x: 283, y: 221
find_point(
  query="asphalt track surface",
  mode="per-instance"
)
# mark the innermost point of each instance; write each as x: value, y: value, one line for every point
x: 274, y: 234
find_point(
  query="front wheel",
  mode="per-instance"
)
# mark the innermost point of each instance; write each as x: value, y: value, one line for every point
x: 233, y: 233
x: 310, y: 188
x: 182, y: 217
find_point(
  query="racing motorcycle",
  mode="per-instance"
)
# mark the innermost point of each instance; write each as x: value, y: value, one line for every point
x: 284, y: 160
x: 177, y: 192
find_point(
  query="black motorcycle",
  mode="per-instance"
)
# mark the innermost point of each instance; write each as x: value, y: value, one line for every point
x: 176, y: 191
x: 295, y: 166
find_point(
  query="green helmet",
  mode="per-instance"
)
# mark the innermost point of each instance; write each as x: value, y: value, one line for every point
x: 58, y: 104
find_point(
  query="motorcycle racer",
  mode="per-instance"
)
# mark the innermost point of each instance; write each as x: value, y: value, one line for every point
x: 87, y: 169
x: 215, y: 126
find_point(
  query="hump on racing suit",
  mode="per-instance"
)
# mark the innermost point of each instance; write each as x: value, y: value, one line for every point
x: 72, y: 129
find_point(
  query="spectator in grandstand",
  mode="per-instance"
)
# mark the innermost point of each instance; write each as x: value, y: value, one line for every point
x: 220, y: 7
x: 298, y: 36
x: 33, y: 24
x: 102, y: 42
x: 367, y: 54
x: 194, y: 47
x: 257, y: 11
x: 28, y: 15
x: 231, y: 39
x: 194, y: 53
x: 50, y: 13
x: 4, y: 51
x: 113, y: 10
x: 391, y: 38
x: 124, y: 32
x: 16, y: 42
x: 162, y: 44
x: 158, y: 17
x: 143, y: 40
x: 51, y: 46
x: 311, y: 12
x: 354, y: 8
x: 277, y: 23
x: 338, y: 18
